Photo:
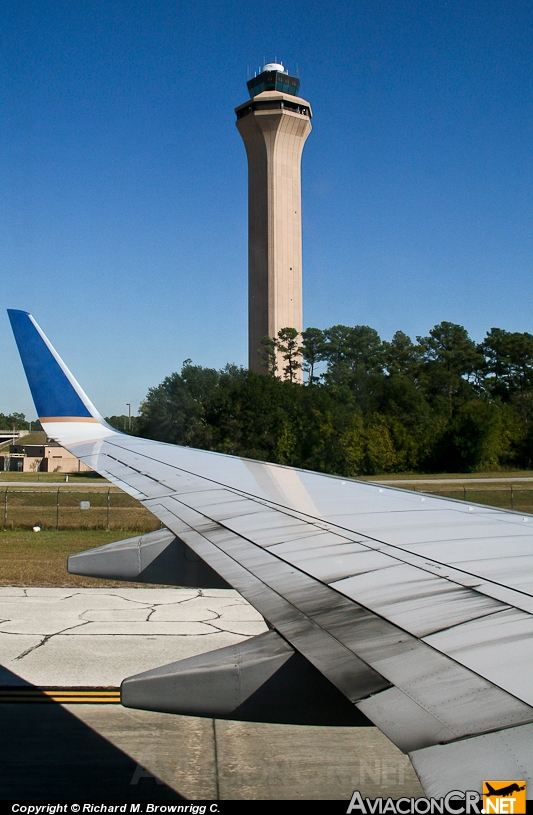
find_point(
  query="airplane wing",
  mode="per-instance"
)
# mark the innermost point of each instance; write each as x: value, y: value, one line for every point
x: 413, y: 610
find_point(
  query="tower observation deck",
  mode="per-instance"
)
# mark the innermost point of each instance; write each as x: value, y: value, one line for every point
x: 274, y: 124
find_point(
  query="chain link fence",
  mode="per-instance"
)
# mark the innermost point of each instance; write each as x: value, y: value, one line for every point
x: 59, y: 508
x: 519, y: 499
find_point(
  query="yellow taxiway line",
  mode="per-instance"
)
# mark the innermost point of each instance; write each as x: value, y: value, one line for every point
x: 100, y: 696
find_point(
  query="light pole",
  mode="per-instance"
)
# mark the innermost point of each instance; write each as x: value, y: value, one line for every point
x: 129, y: 415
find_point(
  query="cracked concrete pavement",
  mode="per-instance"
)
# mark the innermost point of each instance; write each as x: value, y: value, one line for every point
x: 96, y: 637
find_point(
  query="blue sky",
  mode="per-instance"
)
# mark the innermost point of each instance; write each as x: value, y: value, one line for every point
x: 123, y: 178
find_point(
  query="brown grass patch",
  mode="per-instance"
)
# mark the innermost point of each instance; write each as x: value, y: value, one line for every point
x: 40, y: 558
x: 22, y: 508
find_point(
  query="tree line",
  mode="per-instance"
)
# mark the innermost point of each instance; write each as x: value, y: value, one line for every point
x: 17, y: 421
x: 367, y: 406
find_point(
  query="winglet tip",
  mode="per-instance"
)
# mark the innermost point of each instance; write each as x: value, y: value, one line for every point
x: 56, y: 394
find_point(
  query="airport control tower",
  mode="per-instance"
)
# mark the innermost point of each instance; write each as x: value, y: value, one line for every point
x: 274, y: 124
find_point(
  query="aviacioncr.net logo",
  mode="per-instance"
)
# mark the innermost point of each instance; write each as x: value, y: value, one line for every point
x: 455, y: 802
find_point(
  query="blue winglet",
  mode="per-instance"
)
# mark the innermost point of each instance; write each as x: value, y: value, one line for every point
x: 55, y: 391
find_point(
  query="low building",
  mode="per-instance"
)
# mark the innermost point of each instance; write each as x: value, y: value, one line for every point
x: 37, y: 453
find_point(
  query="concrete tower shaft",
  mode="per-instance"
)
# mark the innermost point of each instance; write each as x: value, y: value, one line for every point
x: 274, y: 127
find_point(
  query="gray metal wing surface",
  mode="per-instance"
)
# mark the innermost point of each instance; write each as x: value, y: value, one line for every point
x: 419, y: 610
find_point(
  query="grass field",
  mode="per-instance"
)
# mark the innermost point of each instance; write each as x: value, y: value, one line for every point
x: 39, y: 558
x: 66, y: 508
x: 53, y: 478
x: 506, y: 490
x: 516, y: 497
x: 519, y: 499
x: 498, y: 475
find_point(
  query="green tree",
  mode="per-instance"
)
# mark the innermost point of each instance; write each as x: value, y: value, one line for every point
x: 8, y: 421
x: 509, y: 362
x: 312, y: 351
x: 401, y: 356
x: 441, y: 404
x: 380, y: 455
x: 268, y: 355
x: 472, y: 439
x: 451, y: 362
x: 288, y: 347
x: 127, y: 424
x: 354, y: 360
x: 177, y: 410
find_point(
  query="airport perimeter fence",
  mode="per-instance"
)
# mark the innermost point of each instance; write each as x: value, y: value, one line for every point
x: 519, y: 499
x: 59, y: 508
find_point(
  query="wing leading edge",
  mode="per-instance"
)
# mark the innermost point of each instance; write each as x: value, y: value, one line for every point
x: 396, y: 598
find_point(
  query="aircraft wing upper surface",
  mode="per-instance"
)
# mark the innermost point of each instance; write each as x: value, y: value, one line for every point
x: 418, y: 609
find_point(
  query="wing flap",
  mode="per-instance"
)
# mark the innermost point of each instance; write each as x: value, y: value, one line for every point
x: 506, y: 754
x: 341, y: 666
